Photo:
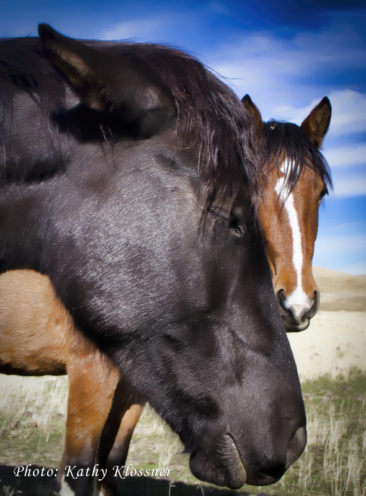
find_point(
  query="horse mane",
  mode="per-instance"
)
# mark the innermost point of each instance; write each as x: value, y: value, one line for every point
x: 287, y: 140
x: 209, y: 115
x: 24, y: 70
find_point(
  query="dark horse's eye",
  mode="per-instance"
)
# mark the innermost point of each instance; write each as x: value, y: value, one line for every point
x: 323, y: 192
x: 234, y: 218
x: 237, y: 225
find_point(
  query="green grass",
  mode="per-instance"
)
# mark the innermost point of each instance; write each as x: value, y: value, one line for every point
x: 32, y: 416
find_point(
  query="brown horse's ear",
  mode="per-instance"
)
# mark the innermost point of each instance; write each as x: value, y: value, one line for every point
x: 317, y: 122
x: 253, y: 109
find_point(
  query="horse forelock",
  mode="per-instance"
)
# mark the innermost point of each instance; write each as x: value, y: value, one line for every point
x: 287, y: 142
x: 209, y: 115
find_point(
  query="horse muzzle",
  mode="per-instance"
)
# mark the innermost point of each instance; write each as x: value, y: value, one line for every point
x: 224, y: 465
x: 296, y: 317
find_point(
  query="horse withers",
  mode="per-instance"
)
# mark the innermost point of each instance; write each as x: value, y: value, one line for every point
x: 296, y: 180
x: 112, y: 161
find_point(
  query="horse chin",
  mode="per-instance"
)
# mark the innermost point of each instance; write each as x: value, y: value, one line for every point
x: 292, y: 325
x: 296, y: 326
x: 223, y: 467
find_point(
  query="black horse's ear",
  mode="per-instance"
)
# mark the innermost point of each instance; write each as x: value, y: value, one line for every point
x: 106, y: 81
x: 317, y: 122
x: 76, y: 62
x: 253, y: 109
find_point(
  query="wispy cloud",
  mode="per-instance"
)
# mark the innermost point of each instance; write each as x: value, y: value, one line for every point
x: 134, y: 28
x: 351, y: 186
x: 347, y: 156
x: 341, y: 244
x: 282, y: 74
x: 348, y: 112
x: 343, y: 248
x: 341, y: 252
x: 283, y: 77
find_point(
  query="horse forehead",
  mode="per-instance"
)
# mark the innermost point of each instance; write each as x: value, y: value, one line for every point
x: 308, y: 179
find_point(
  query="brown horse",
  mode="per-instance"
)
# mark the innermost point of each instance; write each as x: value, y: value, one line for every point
x: 38, y: 337
x: 297, y: 177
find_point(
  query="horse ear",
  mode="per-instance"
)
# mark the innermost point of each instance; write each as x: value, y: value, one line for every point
x: 105, y: 81
x: 317, y: 122
x: 76, y: 63
x: 253, y: 109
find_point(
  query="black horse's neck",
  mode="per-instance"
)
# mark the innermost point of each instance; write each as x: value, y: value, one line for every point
x: 22, y: 235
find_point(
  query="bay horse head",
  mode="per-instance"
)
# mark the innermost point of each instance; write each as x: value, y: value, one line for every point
x: 296, y: 180
x: 113, y: 168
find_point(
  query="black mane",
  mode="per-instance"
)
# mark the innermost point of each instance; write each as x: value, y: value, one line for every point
x: 209, y: 116
x: 287, y: 140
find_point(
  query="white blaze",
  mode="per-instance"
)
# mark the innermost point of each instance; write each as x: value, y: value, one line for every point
x: 298, y: 299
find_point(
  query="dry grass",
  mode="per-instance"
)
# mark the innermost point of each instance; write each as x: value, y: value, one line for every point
x: 32, y: 419
x: 32, y: 414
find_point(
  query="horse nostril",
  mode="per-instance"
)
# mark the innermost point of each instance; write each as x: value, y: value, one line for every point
x: 296, y: 446
x: 315, y: 305
x: 274, y: 471
x: 281, y: 297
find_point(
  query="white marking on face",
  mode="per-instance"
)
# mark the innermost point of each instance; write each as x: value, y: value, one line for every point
x: 298, y: 299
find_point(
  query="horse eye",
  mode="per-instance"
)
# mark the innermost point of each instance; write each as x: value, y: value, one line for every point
x: 237, y: 226
x: 323, y: 192
x: 235, y: 219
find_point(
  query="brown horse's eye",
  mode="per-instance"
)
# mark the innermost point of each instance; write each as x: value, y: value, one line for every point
x: 323, y: 192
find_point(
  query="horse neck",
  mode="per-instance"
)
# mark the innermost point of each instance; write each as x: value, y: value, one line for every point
x: 20, y: 230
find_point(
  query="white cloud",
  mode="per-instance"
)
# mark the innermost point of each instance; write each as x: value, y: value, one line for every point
x: 342, y: 252
x: 134, y: 29
x: 349, y: 109
x: 340, y: 244
x: 346, y: 156
x: 348, y: 112
x: 282, y: 78
x: 257, y: 64
x: 350, y: 186
x: 282, y: 75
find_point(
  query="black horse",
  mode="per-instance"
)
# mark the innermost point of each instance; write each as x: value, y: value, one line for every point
x: 128, y: 175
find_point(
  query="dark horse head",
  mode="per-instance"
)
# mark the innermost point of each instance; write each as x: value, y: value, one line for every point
x: 115, y: 163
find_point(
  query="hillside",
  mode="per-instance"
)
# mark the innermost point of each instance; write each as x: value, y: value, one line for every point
x: 340, y: 291
x: 335, y: 342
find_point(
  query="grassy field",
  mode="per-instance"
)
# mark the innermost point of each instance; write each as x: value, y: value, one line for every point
x: 32, y: 416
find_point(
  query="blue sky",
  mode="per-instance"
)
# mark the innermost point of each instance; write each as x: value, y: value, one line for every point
x: 287, y: 55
